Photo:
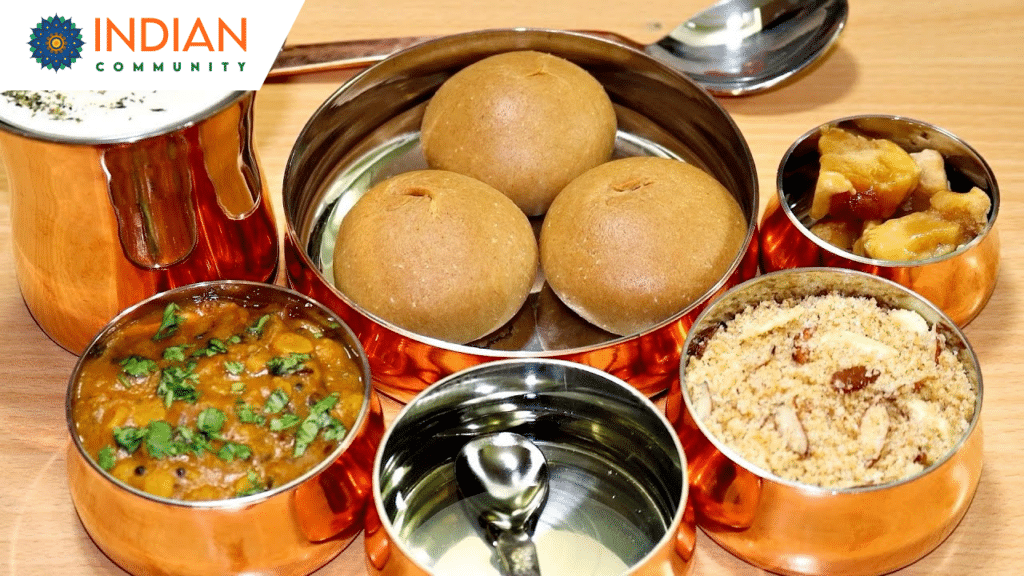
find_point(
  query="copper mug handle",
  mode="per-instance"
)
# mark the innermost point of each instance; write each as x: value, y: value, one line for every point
x: 151, y: 193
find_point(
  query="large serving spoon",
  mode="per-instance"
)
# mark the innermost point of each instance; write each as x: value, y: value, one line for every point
x: 732, y: 48
x: 503, y: 479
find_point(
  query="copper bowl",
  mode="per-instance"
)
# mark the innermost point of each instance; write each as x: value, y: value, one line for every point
x: 959, y: 283
x: 369, y: 130
x: 290, y: 529
x: 793, y: 528
x: 617, y: 474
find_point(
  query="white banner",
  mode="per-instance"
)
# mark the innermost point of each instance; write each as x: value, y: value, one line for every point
x: 117, y: 45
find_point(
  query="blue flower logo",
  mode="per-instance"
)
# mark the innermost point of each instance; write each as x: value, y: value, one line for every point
x: 56, y: 43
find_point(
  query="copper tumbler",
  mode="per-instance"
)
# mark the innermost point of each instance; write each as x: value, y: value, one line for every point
x: 100, y: 223
x: 959, y: 283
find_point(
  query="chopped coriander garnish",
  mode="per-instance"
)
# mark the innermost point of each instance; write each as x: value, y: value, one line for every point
x: 255, y: 485
x: 210, y: 421
x: 256, y: 329
x: 231, y: 450
x: 213, y: 347
x: 177, y: 383
x: 305, y: 435
x: 129, y: 437
x: 284, y: 365
x: 138, y: 366
x: 159, y: 439
x: 319, y: 418
x: 171, y: 321
x: 276, y: 402
x: 334, y: 430
x: 247, y: 415
x: 176, y: 353
x: 106, y: 457
x: 285, y: 422
x: 236, y: 387
x: 188, y: 440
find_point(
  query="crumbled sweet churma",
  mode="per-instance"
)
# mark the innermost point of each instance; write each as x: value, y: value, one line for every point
x: 831, y: 390
x: 875, y: 199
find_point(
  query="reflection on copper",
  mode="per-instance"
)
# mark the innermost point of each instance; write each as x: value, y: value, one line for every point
x: 403, y: 366
x: 960, y: 285
x: 97, y: 228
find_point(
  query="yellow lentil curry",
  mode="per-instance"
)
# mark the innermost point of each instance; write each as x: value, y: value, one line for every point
x: 215, y: 398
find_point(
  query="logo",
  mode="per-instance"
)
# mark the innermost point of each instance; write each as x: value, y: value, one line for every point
x: 56, y: 43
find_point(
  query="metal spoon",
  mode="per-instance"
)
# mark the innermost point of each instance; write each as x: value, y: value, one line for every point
x: 735, y: 47
x: 503, y: 479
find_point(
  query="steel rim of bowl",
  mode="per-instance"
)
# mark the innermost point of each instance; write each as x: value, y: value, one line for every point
x: 992, y: 192
x: 213, y: 287
x: 671, y: 527
x: 294, y: 160
x: 742, y: 462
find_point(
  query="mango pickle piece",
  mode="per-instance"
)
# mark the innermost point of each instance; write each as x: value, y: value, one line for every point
x: 881, y: 176
x: 969, y: 209
x: 916, y: 236
x: 839, y: 233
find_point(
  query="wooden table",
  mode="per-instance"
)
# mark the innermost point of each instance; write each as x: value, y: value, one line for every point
x: 956, y: 64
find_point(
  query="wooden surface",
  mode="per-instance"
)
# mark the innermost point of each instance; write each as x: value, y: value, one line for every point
x: 956, y: 64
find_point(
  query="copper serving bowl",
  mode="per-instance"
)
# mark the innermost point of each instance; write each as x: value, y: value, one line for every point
x: 369, y: 130
x: 617, y: 474
x: 289, y: 529
x: 793, y: 528
x: 959, y: 283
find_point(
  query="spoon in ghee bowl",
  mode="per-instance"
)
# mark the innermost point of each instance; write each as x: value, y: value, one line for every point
x: 732, y: 48
x: 503, y: 481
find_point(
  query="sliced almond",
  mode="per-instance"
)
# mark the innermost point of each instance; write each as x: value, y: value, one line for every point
x: 788, y: 424
x: 700, y: 396
x: 910, y: 320
x: 874, y: 429
x: 773, y: 322
x: 857, y: 346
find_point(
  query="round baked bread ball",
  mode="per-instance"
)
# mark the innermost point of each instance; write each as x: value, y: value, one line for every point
x: 437, y: 253
x: 634, y: 241
x: 524, y: 122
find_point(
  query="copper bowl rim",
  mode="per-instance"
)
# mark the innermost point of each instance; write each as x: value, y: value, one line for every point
x: 230, y: 97
x: 993, y: 194
x: 539, y: 33
x: 670, y: 529
x: 812, y: 489
x: 214, y: 288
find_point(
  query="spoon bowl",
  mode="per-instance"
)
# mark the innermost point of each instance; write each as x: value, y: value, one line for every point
x: 503, y: 479
x: 741, y: 47
x: 733, y: 48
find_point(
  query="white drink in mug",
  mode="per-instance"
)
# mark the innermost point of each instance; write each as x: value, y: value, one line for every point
x: 103, y: 115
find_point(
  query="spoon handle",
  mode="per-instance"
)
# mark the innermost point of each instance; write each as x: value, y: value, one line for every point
x: 517, y: 553
x: 300, y: 59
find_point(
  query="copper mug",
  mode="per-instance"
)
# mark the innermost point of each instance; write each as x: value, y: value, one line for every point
x: 99, y: 224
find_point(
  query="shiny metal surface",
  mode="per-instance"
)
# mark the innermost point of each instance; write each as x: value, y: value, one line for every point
x: 733, y: 48
x: 739, y: 47
x: 384, y: 104
x: 791, y: 528
x: 959, y: 283
x: 503, y: 483
x: 292, y: 529
x: 611, y: 452
x: 100, y: 225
